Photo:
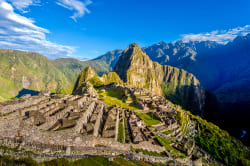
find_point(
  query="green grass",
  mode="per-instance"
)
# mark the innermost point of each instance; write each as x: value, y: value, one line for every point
x: 146, y: 152
x: 98, y: 160
x: 120, y: 133
x: 7, y: 90
x: 166, y: 143
x: 168, y: 132
x: 9, y: 160
x: 5, y: 148
x: 123, y: 162
x: 149, y: 118
x: 114, y: 98
x: 127, y: 139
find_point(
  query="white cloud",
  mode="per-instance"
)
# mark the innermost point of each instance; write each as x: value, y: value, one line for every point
x: 79, y: 8
x: 223, y: 36
x: 23, y: 4
x: 19, y: 32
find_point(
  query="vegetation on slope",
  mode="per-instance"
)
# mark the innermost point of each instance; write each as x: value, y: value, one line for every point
x: 216, y: 141
x: 166, y: 143
x: 30, y: 71
x: 33, y: 71
x: 72, y: 67
x: 146, y: 152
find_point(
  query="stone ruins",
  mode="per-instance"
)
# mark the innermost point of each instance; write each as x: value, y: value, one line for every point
x: 76, y: 125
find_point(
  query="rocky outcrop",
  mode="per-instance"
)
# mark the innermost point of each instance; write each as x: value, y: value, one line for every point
x: 136, y: 69
x: 88, y: 79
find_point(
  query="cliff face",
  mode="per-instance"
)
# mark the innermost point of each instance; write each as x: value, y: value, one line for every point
x: 136, y: 69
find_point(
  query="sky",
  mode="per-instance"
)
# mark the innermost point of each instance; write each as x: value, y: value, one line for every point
x: 85, y: 29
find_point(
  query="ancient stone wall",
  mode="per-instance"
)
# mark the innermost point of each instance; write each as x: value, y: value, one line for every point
x: 85, y: 117
x: 51, y: 120
x: 117, y: 124
x: 27, y: 103
x: 98, y: 121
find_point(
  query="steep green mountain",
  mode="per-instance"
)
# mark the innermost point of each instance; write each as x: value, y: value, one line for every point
x: 26, y: 70
x: 136, y: 69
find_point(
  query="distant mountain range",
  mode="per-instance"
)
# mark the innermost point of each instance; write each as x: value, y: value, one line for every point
x: 223, y: 69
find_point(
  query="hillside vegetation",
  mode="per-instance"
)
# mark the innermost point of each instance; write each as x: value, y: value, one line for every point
x: 27, y: 70
x: 216, y: 141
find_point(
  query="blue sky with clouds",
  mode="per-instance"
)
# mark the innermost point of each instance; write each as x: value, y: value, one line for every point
x: 85, y: 29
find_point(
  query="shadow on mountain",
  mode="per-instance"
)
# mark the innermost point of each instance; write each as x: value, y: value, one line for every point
x: 233, y: 117
x: 190, y: 97
x: 27, y: 91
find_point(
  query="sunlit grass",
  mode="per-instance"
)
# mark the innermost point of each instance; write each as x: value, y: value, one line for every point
x: 113, y: 98
x: 166, y: 143
x: 149, y: 118
x: 168, y: 132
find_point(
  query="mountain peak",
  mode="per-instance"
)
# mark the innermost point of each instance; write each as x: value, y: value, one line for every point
x: 88, y: 70
x: 132, y: 50
x: 133, y: 55
x: 133, y: 45
x: 86, y: 74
